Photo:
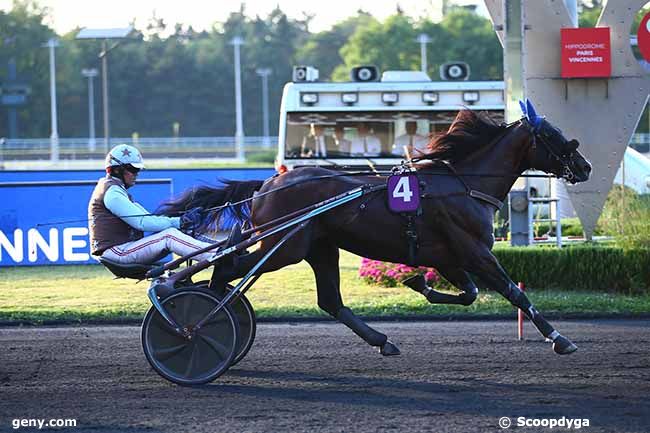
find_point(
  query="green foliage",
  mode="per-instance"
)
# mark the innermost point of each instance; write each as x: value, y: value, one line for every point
x: 323, y: 49
x: 169, y: 73
x: 264, y: 156
x: 589, y: 13
x: 585, y: 267
x: 627, y: 215
x: 83, y: 293
x: 461, y: 35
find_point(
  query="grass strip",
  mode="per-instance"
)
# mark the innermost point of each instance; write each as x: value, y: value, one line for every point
x: 89, y: 293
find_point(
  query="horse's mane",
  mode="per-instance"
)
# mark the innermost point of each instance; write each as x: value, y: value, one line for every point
x: 469, y: 132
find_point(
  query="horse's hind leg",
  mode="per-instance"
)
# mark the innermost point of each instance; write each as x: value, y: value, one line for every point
x: 456, y: 276
x: 488, y: 269
x: 323, y: 257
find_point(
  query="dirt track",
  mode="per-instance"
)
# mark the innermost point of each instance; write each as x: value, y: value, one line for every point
x: 451, y: 377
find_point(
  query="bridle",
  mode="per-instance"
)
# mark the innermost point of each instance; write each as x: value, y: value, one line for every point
x: 540, y: 134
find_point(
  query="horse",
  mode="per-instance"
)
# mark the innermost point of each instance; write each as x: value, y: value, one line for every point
x: 465, y: 175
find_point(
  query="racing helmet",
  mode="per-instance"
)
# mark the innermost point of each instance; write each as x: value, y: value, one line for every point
x: 124, y: 154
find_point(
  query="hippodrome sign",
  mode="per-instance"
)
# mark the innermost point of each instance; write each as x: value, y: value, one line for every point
x: 586, y: 52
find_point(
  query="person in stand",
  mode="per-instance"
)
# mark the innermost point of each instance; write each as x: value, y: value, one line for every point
x: 315, y: 144
x: 341, y: 143
x: 117, y: 223
x: 410, y: 144
x: 365, y: 144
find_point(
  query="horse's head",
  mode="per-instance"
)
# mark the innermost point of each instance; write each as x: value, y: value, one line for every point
x: 551, y: 151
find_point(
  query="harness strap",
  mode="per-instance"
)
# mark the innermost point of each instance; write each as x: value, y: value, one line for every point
x: 472, y: 192
x: 486, y: 198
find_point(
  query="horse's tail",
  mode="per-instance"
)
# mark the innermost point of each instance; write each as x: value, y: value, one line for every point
x: 217, y: 216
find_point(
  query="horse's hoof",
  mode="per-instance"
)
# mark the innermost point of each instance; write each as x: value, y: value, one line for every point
x: 563, y: 346
x: 389, y: 349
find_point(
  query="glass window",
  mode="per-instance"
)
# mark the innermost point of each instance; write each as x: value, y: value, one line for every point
x: 385, y: 134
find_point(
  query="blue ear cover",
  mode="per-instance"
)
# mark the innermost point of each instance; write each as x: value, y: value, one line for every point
x: 533, y: 118
x: 523, y: 108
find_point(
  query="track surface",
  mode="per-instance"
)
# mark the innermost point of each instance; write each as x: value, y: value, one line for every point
x: 451, y: 377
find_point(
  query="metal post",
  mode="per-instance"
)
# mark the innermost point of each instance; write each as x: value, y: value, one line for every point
x: 236, y: 42
x: 572, y: 7
x: 264, y: 73
x: 54, y: 137
x: 104, y: 58
x: 423, y: 39
x: 91, y: 74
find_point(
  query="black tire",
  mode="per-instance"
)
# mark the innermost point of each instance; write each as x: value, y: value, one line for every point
x: 245, y: 313
x: 247, y: 327
x: 196, y: 361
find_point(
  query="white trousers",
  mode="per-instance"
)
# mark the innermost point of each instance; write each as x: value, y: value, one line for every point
x: 154, y: 247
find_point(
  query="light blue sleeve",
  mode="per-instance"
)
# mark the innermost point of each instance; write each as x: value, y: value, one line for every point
x: 117, y: 201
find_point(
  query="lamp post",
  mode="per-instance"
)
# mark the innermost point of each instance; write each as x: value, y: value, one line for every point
x: 91, y: 73
x: 105, y: 35
x: 54, y: 137
x: 423, y: 39
x: 237, y: 42
x: 264, y: 73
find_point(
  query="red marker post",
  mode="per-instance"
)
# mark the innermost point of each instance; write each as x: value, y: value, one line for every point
x: 520, y: 316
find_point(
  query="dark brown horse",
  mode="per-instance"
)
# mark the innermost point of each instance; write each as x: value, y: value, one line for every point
x: 454, y: 230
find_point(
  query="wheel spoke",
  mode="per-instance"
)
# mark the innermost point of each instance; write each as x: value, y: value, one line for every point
x: 165, y: 327
x: 190, y: 364
x: 187, y: 302
x: 218, y: 348
x: 167, y: 353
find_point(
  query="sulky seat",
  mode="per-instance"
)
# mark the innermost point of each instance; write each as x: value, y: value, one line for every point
x: 136, y: 271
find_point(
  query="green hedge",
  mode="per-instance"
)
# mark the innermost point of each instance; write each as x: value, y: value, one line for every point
x: 585, y: 267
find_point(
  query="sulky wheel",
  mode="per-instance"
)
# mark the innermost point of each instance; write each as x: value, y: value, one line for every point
x: 247, y: 321
x: 196, y: 360
x: 247, y: 326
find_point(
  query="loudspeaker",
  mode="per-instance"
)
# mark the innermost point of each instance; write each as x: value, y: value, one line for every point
x: 454, y: 71
x: 304, y: 73
x: 364, y: 73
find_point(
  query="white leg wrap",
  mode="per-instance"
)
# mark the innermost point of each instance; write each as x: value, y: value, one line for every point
x: 553, y: 335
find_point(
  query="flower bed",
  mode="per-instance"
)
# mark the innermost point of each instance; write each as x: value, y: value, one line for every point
x: 392, y: 274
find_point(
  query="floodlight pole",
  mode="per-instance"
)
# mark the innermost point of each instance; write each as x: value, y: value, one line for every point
x: 423, y: 39
x: 54, y: 137
x: 264, y: 73
x: 236, y: 42
x: 104, y: 56
x: 91, y: 74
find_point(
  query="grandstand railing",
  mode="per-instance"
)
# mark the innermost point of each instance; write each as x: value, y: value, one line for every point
x: 153, y: 147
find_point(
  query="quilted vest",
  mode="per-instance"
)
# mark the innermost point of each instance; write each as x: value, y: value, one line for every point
x: 107, y: 230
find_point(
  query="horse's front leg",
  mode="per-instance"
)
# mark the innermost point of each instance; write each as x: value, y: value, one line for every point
x: 456, y: 276
x: 487, y: 268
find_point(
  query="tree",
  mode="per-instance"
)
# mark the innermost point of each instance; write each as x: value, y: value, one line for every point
x: 322, y: 50
x: 387, y: 45
x: 472, y: 39
x: 22, y: 34
x: 462, y: 35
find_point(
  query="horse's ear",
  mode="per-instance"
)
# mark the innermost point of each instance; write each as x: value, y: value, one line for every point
x: 530, y: 109
x: 523, y: 108
x: 533, y: 118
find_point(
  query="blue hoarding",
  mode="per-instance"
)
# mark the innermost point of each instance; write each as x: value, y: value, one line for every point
x: 43, y: 213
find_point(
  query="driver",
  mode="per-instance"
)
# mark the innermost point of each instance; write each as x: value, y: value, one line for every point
x: 116, y: 223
